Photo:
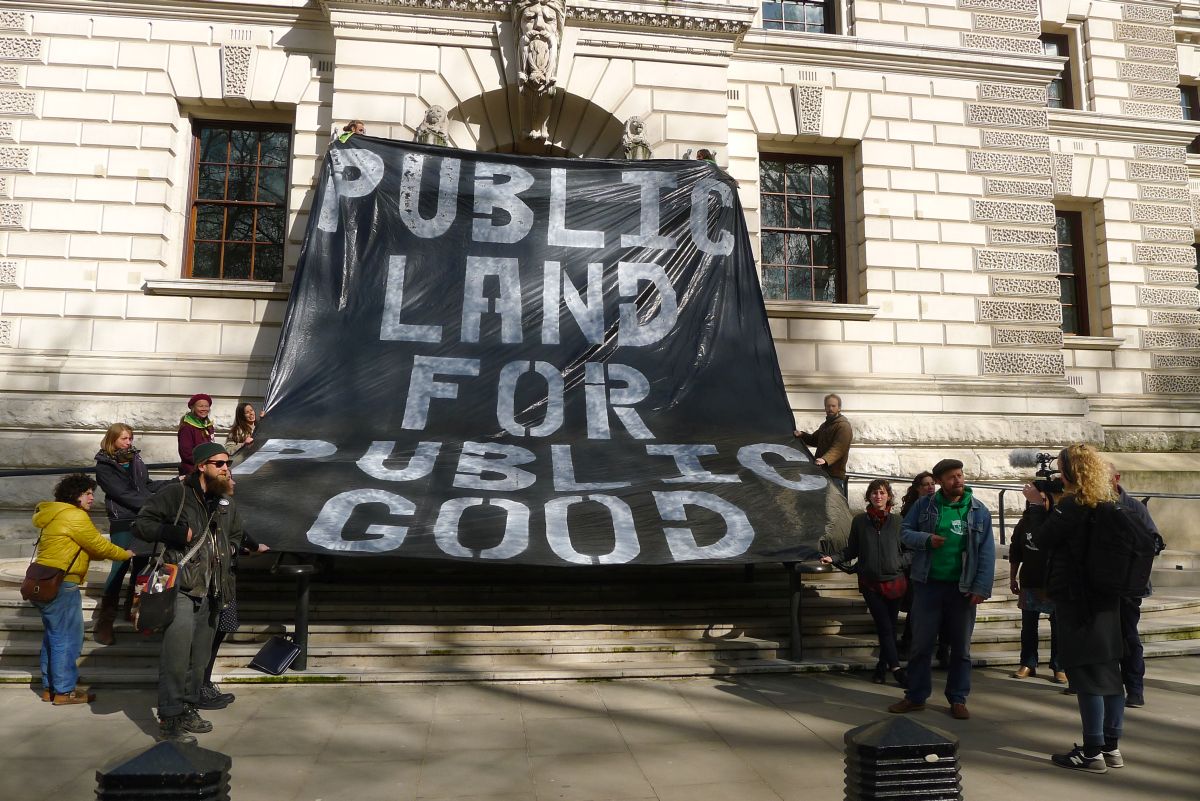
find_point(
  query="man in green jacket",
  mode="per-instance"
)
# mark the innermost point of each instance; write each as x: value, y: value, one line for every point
x: 197, y: 523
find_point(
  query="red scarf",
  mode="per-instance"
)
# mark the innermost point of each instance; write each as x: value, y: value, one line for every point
x: 877, y: 516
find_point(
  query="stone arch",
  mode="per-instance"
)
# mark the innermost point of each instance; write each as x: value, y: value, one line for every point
x: 578, y: 127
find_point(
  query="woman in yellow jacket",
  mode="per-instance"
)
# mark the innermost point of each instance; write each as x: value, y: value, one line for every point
x: 68, y: 541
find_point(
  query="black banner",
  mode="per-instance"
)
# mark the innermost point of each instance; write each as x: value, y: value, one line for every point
x: 533, y: 360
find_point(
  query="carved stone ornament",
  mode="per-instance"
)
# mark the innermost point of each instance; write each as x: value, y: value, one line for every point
x: 1173, y: 384
x: 432, y: 130
x: 235, y: 70
x: 1015, y: 363
x: 633, y: 141
x: 538, y: 27
x: 6, y: 334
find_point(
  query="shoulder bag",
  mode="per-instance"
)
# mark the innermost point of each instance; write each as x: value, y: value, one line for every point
x: 42, y: 581
x: 154, y: 590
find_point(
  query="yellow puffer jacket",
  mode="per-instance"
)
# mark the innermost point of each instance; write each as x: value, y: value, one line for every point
x: 67, y: 530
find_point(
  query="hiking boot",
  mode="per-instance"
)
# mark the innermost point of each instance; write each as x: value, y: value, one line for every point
x: 106, y: 614
x: 172, y: 729
x: 1075, y: 759
x: 959, y: 712
x: 191, y: 721
x: 1135, y: 700
x: 211, y: 697
x: 905, y: 705
x: 1113, y: 758
x: 76, y: 696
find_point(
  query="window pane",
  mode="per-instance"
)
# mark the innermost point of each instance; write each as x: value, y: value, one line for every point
x: 271, y: 185
x: 772, y: 211
x: 772, y: 11
x: 772, y: 248
x: 239, y: 223
x: 799, y: 212
x: 1066, y: 260
x: 823, y: 251
x: 1066, y: 291
x: 770, y: 176
x: 772, y: 25
x: 214, y: 145
x: 823, y: 214
x: 815, y: 16
x: 206, y: 260
x: 268, y: 263
x: 772, y: 278
x: 821, y: 179
x: 799, y: 283
x: 210, y: 182
x: 237, y: 261
x: 798, y: 178
x: 798, y: 250
x: 241, y: 184
x: 275, y: 148
x: 269, y: 227
x: 209, y: 221
x: 793, y: 12
x: 825, y: 285
x: 1070, y: 322
x: 244, y: 148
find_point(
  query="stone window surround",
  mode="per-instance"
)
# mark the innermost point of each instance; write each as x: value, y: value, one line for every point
x: 842, y: 23
x: 1076, y: 63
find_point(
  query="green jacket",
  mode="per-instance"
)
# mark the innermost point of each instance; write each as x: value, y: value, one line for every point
x: 180, y: 506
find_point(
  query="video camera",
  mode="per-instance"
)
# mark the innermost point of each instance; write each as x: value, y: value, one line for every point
x: 1047, y: 479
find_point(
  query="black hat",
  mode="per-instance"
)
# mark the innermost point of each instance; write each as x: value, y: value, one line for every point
x: 944, y: 466
x: 205, y: 451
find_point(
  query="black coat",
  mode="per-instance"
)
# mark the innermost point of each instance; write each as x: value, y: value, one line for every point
x: 126, y: 489
x: 1031, y: 559
x: 879, y: 553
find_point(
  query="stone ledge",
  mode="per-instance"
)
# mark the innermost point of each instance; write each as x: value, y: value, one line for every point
x: 1092, y: 343
x: 213, y: 288
x: 812, y: 310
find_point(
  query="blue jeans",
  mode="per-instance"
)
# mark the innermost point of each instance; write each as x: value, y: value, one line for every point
x: 1029, y: 640
x: 62, y: 641
x: 940, y: 605
x: 884, y: 611
x: 1102, y: 716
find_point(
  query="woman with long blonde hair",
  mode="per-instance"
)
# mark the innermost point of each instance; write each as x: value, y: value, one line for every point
x: 1088, y: 625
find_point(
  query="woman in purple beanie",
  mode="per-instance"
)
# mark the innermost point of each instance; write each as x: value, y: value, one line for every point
x: 195, y: 428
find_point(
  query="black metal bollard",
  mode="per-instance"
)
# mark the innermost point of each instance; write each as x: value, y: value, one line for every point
x: 167, y: 770
x: 303, y: 574
x: 899, y: 759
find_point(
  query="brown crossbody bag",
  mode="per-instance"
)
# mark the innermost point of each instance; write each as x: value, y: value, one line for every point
x: 42, y: 581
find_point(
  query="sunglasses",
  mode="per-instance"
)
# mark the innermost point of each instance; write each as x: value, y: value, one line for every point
x: 222, y: 463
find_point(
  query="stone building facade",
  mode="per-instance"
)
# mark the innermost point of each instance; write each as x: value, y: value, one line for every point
x: 931, y: 186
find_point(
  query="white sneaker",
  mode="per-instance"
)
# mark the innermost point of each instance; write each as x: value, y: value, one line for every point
x: 1113, y: 758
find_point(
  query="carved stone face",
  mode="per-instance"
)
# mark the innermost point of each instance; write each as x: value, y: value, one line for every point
x: 636, y: 127
x: 434, y: 116
x: 538, y: 21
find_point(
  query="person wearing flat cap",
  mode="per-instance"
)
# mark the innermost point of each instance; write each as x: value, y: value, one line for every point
x: 197, y: 524
x: 195, y: 428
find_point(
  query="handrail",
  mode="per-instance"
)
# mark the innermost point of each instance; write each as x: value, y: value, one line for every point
x: 62, y: 471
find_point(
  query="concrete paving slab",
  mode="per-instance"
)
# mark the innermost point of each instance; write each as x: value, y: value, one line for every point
x: 590, y: 735
x: 453, y: 733
x: 590, y: 777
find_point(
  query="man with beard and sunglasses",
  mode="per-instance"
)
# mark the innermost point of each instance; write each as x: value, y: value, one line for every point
x: 197, y: 523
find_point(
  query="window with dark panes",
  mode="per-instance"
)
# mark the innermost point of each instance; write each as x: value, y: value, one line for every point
x: 1189, y: 101
x: 813, y: 16
x: 1058, y: 93
x: 1072, y: 273
x: 238, y: 201
x: 802, y: 228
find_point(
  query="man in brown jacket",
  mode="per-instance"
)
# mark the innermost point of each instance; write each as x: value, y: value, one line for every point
x: 832, y: 440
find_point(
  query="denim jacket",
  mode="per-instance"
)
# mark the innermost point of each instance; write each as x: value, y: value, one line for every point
x: 979, y: 555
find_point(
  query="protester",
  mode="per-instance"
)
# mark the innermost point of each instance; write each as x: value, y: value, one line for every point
x: 126, y: 482
x: 953, y: 568
x: 922, y: 485
x: 351, y: 128
x: 1089, y: 625
x: 68, y: 541
x: 195, y: 428
x: 198, y: 525
x: 1133, y: 665
x: 211, y: 696
x: 242, y: 433
x: 1027, y: 580
x: 704, y: 154
x: 875, y: 545
x: 832, y: 441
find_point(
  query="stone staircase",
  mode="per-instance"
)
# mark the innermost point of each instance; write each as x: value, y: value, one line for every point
x: 382, y: 620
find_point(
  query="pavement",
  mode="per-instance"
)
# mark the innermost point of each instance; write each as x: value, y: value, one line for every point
x: 745, y: 738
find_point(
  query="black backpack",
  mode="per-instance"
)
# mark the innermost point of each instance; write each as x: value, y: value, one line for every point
x: 1120, y: 551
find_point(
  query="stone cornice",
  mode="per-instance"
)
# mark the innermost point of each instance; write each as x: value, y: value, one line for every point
x: 825, y: 51
x: 267, y: 12
x: 1093, y: 125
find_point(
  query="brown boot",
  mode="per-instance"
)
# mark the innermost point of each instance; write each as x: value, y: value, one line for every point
x: 106, y: 613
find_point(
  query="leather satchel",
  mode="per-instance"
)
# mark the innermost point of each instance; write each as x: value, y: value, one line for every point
x: 42, y: 582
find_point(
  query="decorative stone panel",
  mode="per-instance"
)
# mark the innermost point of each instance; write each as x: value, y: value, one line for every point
x: 1169, y: 361
x: 1033, y: 287
x: 1003, y: 186
x: 1151, y: 73
x: 1012, y: 93
x: 1151, y: 111
x: 1007, y: 116
x: 1064, y: 169
x: 1016, y: 261
x: 1152, y: 233
x: 235, y: 70
x: 5, y: 186
x: 14, y: 21
x: 17, y: 103
x: 7, y: 334
x: 1007, y: 362
x: 1189, y: 319
x: 1160, y: 213
x: 810, y: 105
x: 1015, y: 140
x: 1161, y: 152
x: 6, y: 131
x: 1195, y: 210
x: 1173, y: 384
x: 1027, y: 337
x: 1028, y: 8
x: 14, y: 159
x: 1011, y: 163
x: 1172, y: 193
x: 1003, y: 44
x: 1021, y: 213
x: 1170, y: 340
x: 12, y: 215
x: 1144, y: 33
x: 1046, y: 312
x: 1163, y: 254
x: 20, y: 48
x: 1022, y: 237
x: 1163, y: 173
x: 8, y: 273
x: 1165, y: 275
x: 1181, y: 297
x: 998, y: 24
x: 1160, y: 94
x: 1165, y: 55
x: 10, y: 74
x: 1136, y: 12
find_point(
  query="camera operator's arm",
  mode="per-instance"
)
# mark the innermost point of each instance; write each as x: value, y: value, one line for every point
x: 1047, y: 528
